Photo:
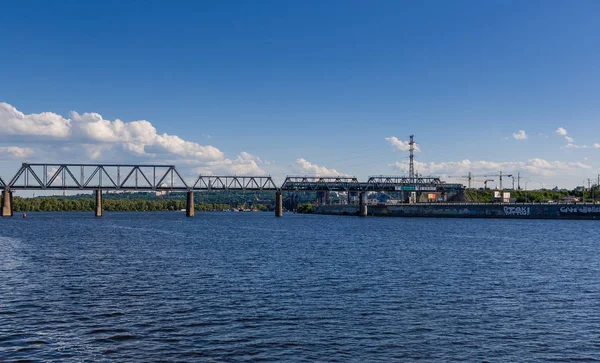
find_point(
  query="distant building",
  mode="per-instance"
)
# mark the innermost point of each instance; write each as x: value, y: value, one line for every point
x: 160, y: 193
x: 569, y: 199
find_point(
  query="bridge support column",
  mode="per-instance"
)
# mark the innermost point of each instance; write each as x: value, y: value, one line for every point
x: 278, y: 204
x: 98, y: 212
x: 7, y: 197
x: 189, y: 207
x: 362, y: 209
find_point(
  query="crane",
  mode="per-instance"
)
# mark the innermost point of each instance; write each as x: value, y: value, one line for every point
x: 470, y: 178
x: 485, y: 183
x: 500, y: 175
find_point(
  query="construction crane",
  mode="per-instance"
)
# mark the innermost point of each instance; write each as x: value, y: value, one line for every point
x: 470, y: 179
x: 518, y: 177
x: 500, y: 175
x: 485, y: 183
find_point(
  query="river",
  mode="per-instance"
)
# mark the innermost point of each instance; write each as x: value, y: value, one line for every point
x: 249, y: 286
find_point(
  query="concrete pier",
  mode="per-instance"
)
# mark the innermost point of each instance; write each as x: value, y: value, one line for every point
x: 189, y: 207
x: 98, y: 212
x: 278, y: 204
x: 362, y: 210
x: 7, y: 203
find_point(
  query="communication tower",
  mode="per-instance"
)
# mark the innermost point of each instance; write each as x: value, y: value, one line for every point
x: 411, y: 170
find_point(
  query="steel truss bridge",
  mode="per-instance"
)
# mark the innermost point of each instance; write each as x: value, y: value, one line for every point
x: 166, y: 178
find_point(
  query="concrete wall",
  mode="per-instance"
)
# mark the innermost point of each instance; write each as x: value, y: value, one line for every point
x: 521, y: 211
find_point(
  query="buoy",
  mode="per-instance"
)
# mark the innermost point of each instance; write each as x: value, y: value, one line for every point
x: 24, y: 215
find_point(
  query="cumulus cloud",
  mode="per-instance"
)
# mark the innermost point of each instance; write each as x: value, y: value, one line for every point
x: 596, y: 146
x: 307, y: 167
x: 90, y: 137
x: 534, y: 166
x: 243, y: 164
x: 400, y: 145
x: 521, y: 135
x: 569, y: 139
x: 39, y: 125
x: 561, y: 131
x: 15, y: 152
x: 138, y: 137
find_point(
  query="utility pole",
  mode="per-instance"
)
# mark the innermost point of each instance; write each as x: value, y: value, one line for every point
x: 518, y: 180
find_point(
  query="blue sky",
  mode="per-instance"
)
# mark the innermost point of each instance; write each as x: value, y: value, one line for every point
x: 282, y: 87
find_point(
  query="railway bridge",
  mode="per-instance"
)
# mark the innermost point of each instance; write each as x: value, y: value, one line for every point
x: 149, y: 177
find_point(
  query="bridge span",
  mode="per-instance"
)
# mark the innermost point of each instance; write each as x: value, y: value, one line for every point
x: 150, y: 177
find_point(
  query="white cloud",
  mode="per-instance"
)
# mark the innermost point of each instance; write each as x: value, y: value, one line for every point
x: 400, y: 145
x: 534, y: 166
x: 596, y: 146
x: 575, y: 146
x: 89, y: 137
x: 561, y: 131
x: 15, y: 152
x: 569, y: 139
x: 40, y: 125
x: 138, y: 137
x: 521, y: 135
x: 243, y: 164
x: 307, y: 167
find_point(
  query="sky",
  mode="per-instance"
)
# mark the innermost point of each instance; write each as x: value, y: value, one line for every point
x: 305, y: 87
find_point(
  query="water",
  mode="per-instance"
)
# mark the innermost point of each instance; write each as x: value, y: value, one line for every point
x: 248, y: 286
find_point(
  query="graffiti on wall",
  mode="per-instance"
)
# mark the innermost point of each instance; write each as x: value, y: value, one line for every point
x: 517, y: 211
x: 584, y: 209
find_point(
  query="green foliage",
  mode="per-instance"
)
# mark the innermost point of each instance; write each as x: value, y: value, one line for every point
x: 536, y: 196
x: 124, y: 205
x: 306, y: 208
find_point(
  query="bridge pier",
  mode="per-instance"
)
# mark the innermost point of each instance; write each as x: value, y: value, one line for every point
x: 189, y: 207
x: 278, y: 204
x: 7, y: 202
x: 362, y: 211
x: 98, y: 212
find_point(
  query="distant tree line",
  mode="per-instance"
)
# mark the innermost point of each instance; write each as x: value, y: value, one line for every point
x: 52, y: 204
x: 535, y: 196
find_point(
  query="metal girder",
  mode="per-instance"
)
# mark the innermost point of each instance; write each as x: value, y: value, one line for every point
x: 316, y: 183
x: 2, y: 183
x: 97, y: 176
x: 221, y: 182
x: 403, y: 180
x: 391, y: 183
x: 377, y: 183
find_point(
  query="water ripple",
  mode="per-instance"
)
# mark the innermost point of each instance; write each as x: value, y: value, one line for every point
x: 247, y: 287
